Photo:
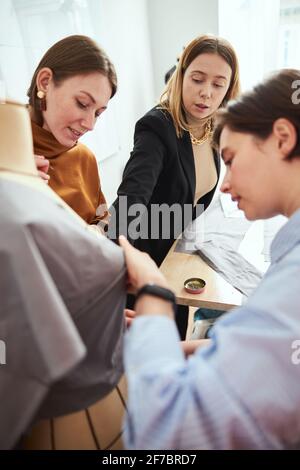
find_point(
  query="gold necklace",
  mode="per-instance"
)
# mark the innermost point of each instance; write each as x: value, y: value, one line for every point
x: 207, y: 134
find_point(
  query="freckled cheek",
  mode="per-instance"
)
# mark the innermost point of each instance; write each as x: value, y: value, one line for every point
x: 60, y: 121
x: 66, y: 119
x: 185, y: 102
x: 217, y: 100
x: 188, y: 93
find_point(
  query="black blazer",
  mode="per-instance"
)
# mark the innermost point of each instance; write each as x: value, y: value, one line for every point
x: 160, y: 170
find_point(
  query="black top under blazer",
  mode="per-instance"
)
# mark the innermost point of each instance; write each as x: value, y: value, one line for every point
x: 160, y: 170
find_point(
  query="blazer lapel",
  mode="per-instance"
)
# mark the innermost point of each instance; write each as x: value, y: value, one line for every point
x: 186, y: 155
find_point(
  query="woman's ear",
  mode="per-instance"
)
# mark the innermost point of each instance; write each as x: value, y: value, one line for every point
x: 286, y: 136
x: 43, y: 79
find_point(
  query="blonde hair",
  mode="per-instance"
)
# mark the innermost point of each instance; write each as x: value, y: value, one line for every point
x: 171, y: 98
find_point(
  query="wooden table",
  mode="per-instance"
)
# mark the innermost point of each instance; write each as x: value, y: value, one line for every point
x: 218, y: 293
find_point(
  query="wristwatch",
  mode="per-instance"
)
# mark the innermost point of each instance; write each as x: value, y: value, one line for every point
x: 158, y: 291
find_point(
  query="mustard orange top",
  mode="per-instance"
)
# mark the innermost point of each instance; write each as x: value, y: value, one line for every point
x: 73, y: 175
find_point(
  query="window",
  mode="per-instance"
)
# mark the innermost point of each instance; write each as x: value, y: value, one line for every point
x: 289, y: 34
x: 264, y: 33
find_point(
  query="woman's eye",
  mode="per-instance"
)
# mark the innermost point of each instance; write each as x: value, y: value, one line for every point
x: 217, y: 85
x: 196, y: 80
x: 81, y: 105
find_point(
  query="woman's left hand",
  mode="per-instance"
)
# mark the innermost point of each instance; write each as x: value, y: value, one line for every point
x: 190, y: 346
x: 129, y: 316
x: 42, y: 165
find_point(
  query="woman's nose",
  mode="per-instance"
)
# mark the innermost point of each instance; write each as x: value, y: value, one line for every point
x: 225, y: 186
x: 205, y: 91
x: 88, y: 122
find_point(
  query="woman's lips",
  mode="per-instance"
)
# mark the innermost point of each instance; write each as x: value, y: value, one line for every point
x: 236, y: 199
x: 75, y: 133
x: 201, y: 107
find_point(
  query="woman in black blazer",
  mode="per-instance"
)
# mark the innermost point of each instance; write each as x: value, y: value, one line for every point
x: 172, y: 162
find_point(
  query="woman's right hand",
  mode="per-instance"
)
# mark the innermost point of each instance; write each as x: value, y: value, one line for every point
x: 140, y: 267
x: 142, y: 270
x: 42, y: 165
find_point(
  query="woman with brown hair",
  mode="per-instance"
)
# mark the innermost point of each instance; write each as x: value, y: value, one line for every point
x: 70, y: 89
x: 172, y: 164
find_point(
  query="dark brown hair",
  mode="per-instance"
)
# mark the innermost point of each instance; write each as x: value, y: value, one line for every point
x: 73, y: 55
x: 255, y: 112
x: 171, y: 99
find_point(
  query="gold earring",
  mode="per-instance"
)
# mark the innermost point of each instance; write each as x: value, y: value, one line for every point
x: 42, y: 100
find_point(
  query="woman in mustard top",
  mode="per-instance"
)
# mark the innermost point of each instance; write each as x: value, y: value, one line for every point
x: 70, y: 89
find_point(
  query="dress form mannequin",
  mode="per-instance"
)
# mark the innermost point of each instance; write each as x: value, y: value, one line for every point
x: 99, y: 425
x: 16, y: 142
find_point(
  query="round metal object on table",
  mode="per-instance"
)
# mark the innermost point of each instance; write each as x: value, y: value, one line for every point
x: 194, y: 285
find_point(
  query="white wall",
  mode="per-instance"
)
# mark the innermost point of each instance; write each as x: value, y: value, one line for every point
x: 12, y: 54
x: 174, y: 23
x: 121, y: 27
x: 142, y: 37
x: 253, y: 34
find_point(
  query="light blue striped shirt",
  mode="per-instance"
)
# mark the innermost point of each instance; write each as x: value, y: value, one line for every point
x: 242, y: 391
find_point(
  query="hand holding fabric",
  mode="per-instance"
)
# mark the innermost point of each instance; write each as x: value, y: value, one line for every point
x: 141, y: 268
x: 42, y: 165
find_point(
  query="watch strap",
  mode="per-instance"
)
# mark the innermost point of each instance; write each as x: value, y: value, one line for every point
x: 158, y: 291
